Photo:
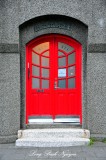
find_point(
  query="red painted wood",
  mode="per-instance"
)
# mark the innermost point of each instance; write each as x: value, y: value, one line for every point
x: 60, y: 101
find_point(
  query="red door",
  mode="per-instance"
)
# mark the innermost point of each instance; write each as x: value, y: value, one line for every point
x: 53, y: 77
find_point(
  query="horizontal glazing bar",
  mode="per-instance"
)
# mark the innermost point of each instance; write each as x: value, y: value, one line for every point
x: 40, y: 77
x: 66, y: 78
x: 67, y: 66
x: 40, y: 66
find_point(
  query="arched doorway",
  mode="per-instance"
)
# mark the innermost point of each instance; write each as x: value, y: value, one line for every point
x: 53, y: 77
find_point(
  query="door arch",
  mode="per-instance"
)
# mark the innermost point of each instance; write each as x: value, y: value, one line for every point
x: 53, y: 77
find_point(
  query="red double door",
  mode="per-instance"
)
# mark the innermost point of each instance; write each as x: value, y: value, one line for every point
x: 53, y: 77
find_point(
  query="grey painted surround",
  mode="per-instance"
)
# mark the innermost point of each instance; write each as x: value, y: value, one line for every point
x: 57, y: 25
x: 24, y: 20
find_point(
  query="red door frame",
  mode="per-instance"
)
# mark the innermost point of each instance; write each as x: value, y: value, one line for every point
x: 78, y: 69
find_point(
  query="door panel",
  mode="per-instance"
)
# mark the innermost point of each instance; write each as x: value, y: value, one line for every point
x: 39, y: 81
x: 44, y: 104
x: 53, y: 77
x: 65, y: 91
x: 34, y: 102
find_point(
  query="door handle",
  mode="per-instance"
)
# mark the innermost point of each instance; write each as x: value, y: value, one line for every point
x: 28, y: 73
x: 56, y: 87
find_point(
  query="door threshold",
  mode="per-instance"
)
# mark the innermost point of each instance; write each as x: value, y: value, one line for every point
x: 58, y: 119
x: 48, y: 121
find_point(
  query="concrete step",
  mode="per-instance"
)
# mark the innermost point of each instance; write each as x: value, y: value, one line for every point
x: 53, y: 137
x: 53, y: 133
x: 52, y: 142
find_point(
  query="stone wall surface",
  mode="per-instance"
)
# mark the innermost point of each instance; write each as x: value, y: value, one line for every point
x: 9, y: 92
x: 15, y: 13
x: 96, y: 92
x: 90, y: 12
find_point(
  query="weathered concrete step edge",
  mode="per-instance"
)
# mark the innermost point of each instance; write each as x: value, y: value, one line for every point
x: 53, y: 133
x: 48, y: 142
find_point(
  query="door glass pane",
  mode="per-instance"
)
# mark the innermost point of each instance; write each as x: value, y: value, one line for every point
x: 41, y: 47
x: 45, y: 61
x: 35, y: 71
x: 35, y: 59
x: 71, y: 58
x: 65, y: 47
x: 46, y: 53
x: 62, y: 83
x: 45, y: 83
x: 62, y: 72
x: 60, y: 53
x: 71, y: 83
x: 62, y: 61
x: 35, y: 83
x: 45, y: 72
x: 71, y: 71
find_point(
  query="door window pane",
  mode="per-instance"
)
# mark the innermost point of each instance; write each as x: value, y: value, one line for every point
x: 46, y: 53
x: 62, y: 72
x: 60, y: 53
x: 45, y: 61
x: 35, y: 83
x: 45, y: 83
x: 62, y: 61
x: 41, y: 47
x: 45, y: 72
x: 71, y: 71
x: 62, y: 83
x: 35, y: 71
x: 71, y: 83
x: 65, y: 47
x: 71, y: 58
x: 35, y: 58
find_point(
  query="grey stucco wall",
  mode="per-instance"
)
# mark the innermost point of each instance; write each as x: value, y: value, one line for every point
x: 9, y: 92
x: 16, y: 12
x: 96, y: 92
x: 91, y: 12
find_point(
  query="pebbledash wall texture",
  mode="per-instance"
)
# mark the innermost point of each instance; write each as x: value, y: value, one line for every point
x: 23, y: 20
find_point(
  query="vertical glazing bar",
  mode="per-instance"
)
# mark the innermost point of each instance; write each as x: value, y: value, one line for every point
x: 67, y: 71
x: 40, y: 79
